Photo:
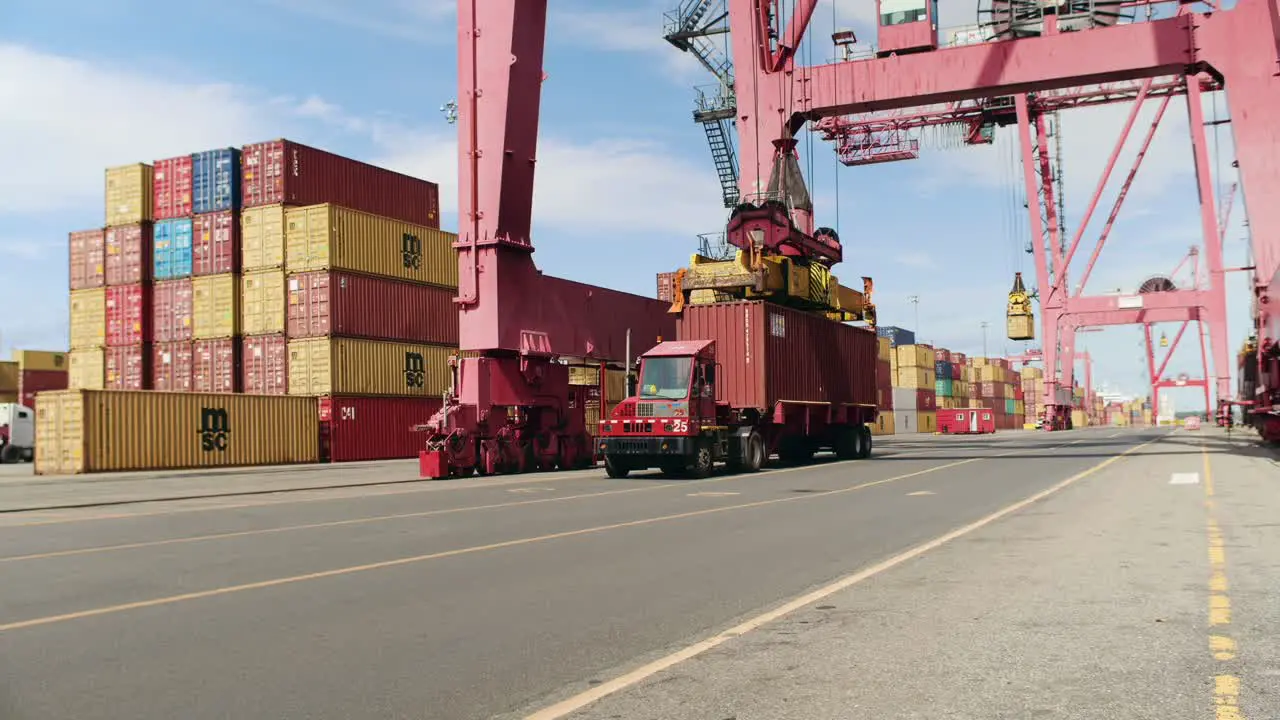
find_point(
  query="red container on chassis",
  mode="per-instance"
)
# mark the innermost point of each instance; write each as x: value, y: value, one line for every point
x: 172, y: 188
x: 769, y: 354
x: 88, y: 252
x: 926, y: 400
x: 345, y: 304
x: 265, y: 364
x: 128, y: 315
x: 31, y: 382
x: 216, y: 366
x: 128, y: 368
x: 373, y: 428
x: 966, y: 421
x: 215, y: 243
x: 171, y: 304
x: 128, y: 251
x: 172, y: 364
x: 666, y: 286
x: 283, y: 171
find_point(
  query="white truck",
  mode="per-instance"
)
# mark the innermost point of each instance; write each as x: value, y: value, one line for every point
x: 17, y: 433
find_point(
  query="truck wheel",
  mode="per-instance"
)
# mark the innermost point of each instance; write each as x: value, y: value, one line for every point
x: 10, y: 454
x: 702, y: 463
x: 848, y: 444
x: 615, y: 468
x: 864, y: 447
x: 754, y: 455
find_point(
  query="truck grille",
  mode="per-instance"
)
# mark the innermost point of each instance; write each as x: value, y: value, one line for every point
x: 645, y: 409
x: 645, y: 427
x: 637, y: 446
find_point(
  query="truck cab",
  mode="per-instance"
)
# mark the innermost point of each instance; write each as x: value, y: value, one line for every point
x: 675, y: 421
x: 17, y: 433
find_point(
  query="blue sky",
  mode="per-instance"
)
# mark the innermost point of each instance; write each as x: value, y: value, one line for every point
x: 625, y: 178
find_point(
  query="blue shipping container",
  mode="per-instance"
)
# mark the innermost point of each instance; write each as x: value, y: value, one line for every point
x: 944, y: 387
x: 943, y: 369
x: 897, y: 336
x: 215, y: 180
x: 172, y: 249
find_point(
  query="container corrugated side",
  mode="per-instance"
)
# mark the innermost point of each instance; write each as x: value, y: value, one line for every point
x: 88, y: 255
x: 172, y: 249
x: 88, y: 328
x: 8, y: 377
x: 128, y: 194
x: 216, y: 366
x: 128, y: 254
x: 340, y: 303
x: 128, y: 315
x: 282, y: 171
x: 171, y: 182
x: 171, y: 305
x: 375, y: 428
x: 215, y: 243
x: 265, y: 365
x: 769, y: 354
x: 331, y: 237
x: 128, y: 368
x: 215, y: 307
x: 172, y: 365
x: 262, y: 303
x: 39, y: 359
x: 215, y: 180
x: 262, y: 237
x: 88, y: 369
x: 97, y: 431
x: 350, y: 366
x: 31, y: 382
x: 666, y: 286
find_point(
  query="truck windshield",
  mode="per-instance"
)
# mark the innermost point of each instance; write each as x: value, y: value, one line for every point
x: 665, y: 377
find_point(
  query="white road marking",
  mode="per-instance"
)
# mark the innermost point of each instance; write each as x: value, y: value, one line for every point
x: 712, y: 494
x: 919, y: 492
x: 530, y: 490
x: 1185, y: 479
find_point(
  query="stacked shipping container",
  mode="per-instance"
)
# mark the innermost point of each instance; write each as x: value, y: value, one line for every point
x: 915, y: 389
x: 29, y: 372
x: 885, y: 364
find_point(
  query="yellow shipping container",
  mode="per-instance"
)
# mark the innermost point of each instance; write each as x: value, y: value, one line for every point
x: 88, y: 318
x: 1079, y: 419
x: 88, y: 369
x: 263, y: 302
x: 331, y: 237
x: 262, y: 237
x: 347, y: 366
x: 1032, y: 372
x: 916, y: 356
x: 991, y: 373
x: 927, y: 422
x: 44, y: 360
x: 582, y: 375
x: 884, y: 424
x: 8, y: 397
x: 915, y: 378
x: 884, y: 348
x: 977, y: 361
x: 9, y: 377
x: 128, y: 194
x: 81, y: 431
x: 215, y: 305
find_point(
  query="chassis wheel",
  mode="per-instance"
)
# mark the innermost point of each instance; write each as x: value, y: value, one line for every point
x: 615, y: 468
x: 864, y: 446
x: 754, y: 455
x: 848, y: 443
x: 702, y: 463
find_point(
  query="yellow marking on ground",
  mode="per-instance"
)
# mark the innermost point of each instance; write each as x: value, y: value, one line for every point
x: 1224, y: 648
x: 1219, y: 610
x: 1217, y: 582
x: 1226, y: 688
x: 230, y: 589
x: 1226, y: 698
x: 531, y: 490
x: 604, y: 689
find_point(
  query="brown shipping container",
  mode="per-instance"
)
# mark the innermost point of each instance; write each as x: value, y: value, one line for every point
x: 348, y: 366
x: 8, y: 377
x: 217, y: 366
x: 769, y: 354
x: 215, y: 243
x: 87, y: 249
x: 39, y: 359
x: 80, y: 431
x: 8, y: 397
x: 171, y: 311
x: 265, y: 365
x: 172, y: 364
x: 282, y: 171
x: 128, y: 368
x: 374, y: 428
x: 331, y: 237
x: 88, y: 369
x: 666, y: 286
x: 129, y: 254
x: 339, y: 303
x: 88, y: 327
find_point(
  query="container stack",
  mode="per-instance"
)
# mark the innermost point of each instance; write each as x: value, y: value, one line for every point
x: 896, y: 335
x: 29, y: 372
x: 914, y: 389
x: 586, y: 375
x: 885, y: 364
x: 666, y: 286
x: 1032, y: 394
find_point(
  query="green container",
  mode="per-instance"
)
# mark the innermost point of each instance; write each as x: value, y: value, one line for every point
x: 944, y: 387
x: 1009, y: 405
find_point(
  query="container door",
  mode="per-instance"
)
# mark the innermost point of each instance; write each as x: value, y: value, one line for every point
x: 973, y: 421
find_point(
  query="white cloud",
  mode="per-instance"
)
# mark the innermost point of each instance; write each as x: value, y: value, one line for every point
x: 423, y: 21
x: 23, y: 249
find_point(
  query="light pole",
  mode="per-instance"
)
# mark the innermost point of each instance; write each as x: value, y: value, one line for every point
x: 915, y: 300
x: 984, y: 338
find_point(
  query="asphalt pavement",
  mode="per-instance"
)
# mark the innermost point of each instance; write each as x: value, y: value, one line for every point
x: 573, y: 595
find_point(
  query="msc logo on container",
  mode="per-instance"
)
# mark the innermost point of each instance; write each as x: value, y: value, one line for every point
x: 415, y: 370
x: 411, y: 251
x: 215, y: 429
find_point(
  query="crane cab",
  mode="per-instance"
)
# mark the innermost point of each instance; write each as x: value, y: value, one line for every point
x: 906, y: 26
x: 1021, y: 320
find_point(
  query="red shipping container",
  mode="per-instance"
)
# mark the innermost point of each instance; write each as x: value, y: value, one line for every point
x: 282, y: 171
x: 926, y: 400
x: 941, y: 355
x: 957, y: 372
x: 966, y: 422
x: 959, y: 358
x: 769, y: 353
x: 988, y: 390
x: 129, y: 254
x: 348, y: 305
x: 128, y: 368
x: 128, y: 315
x: 374, y: 428
x: 88, y: 251
x: 884, y: 375
x: 217, y: 366
x: 215, y: 243
x: 171, y: 302
x: 172, y: 188
x: 172, y: 364
x: 31, y: 382
x: 265, y: 364
x: 666, y: 286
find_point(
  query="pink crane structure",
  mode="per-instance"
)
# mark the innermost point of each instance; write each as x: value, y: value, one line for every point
x: 1036, y: 55
x: 511, y: 408
x: 1157, y: 374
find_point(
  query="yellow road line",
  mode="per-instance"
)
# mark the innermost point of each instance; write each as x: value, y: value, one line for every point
x: 34, y: 622
x: 1226, y: 687
x: 642, y: 673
